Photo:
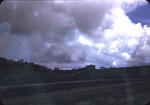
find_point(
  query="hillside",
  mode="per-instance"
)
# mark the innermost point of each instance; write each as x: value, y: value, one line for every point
x: 23, y: 83
x: 20, y: 72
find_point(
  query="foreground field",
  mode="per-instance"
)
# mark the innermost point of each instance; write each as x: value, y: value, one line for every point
x: 135, y: 92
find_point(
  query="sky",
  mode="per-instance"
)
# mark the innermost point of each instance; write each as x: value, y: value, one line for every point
x: 72, y: 34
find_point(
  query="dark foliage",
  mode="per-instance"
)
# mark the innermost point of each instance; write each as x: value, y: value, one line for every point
x: 148, y: 103
x: 1, y: 103
x: 56, y: 68
x: 20, y: 72
x: 90, y: 67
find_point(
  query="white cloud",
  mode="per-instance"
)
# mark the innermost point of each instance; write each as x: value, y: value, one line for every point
x: 114, y: 63
x: 85, y: 41
x: 132, y: 42
x: 126, y: 56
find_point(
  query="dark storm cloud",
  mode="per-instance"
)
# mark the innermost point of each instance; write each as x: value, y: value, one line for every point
x: 25, y: 20
x: 38, y: 26
x: 5, y: 28
x: 49, y: 57
x: 90, y: 17
x: 49, y: 21
x: 57, y: 18
x: 14, y: 47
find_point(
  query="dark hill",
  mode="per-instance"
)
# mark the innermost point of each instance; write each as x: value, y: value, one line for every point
x: 20, y: 72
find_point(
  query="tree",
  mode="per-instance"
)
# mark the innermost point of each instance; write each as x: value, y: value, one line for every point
x: 90, y: 67
x: 102, y: 68
x: 56, y: 68
x: 21, y: 61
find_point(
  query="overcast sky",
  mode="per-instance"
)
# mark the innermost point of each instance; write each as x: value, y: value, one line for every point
x: 72, y: 34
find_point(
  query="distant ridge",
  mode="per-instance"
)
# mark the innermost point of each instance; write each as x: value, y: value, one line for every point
x: 20, y: 72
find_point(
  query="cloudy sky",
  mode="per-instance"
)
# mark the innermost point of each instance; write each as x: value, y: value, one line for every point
x: 72, y: 34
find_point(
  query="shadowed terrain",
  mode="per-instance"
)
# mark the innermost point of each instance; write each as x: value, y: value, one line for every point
x: 23, y: 83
